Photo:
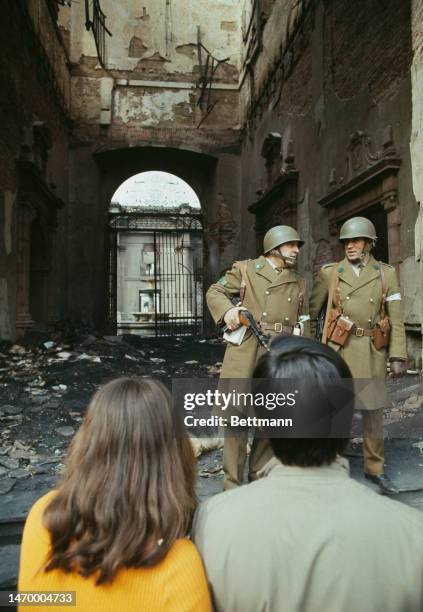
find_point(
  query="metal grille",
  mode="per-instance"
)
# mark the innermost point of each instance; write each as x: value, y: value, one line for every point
x: 112, y: 287
x: 98, y: 25
x: 178, y: 299
x: 168, y: 282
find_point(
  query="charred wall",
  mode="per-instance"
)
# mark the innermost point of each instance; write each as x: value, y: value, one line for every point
x: 333, y: 85
x: 34, y: 116
x: 155, y: 104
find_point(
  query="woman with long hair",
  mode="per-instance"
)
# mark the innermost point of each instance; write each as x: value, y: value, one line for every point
x: 114, y: 530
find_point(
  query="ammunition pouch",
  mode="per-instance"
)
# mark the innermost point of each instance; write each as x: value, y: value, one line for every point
x: 339, y: 327
x: 382, y: 333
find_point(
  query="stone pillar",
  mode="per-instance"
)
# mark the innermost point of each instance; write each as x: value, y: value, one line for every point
x: 24, y: 320
x: 52, y: 284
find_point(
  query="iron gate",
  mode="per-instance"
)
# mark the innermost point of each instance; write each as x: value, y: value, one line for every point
x: 170, y: 287
x: 178, y: 295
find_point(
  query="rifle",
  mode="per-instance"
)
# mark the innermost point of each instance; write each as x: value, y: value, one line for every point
x: 320, y: 322
x: 247, y: 319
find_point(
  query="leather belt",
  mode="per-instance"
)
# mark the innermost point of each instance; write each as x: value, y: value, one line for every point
x: 360, y: 331
x: 279, y: 328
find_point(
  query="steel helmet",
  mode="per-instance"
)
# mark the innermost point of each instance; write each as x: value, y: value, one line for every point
x: 358, y: 227
x: 279, y: 235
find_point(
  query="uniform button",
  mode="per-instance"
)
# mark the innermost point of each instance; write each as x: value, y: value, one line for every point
x: 346, y: 316
x: 372, y: 300
x: 369, y: 320
x: 348, y: 297
x: 264, y: 314
x: 267, y: 292
x: 286, y: 318
x: 289, y: 299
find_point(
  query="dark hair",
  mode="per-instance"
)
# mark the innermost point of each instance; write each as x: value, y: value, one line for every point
x: 128, y: 490
x: 327, y: 400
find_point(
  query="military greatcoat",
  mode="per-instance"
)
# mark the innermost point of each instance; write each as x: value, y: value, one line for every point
x: 276, y: 299
x: 361, y: 299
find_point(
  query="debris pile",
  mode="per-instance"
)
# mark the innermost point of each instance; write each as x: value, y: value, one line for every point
x: 46, y: 385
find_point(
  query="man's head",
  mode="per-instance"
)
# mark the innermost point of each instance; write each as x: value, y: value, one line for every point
x: 283, y: 242
x: 322, y: 414
x: 358, y: 236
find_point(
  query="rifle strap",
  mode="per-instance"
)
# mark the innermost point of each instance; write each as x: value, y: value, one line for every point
x: 384, y: 291
x: 333, y: 282
x: 246, y: 286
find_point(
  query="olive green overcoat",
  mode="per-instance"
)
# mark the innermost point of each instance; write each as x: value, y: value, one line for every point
x: 361, y: 298
x: 276, y: 300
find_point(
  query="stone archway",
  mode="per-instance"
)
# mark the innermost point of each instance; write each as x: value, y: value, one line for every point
x: 156, y: 255
x: 196, y: 169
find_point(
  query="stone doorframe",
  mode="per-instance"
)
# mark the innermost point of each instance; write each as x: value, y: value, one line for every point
x: 369, y: 179
x: 36, y: 200
x: 117, y: 163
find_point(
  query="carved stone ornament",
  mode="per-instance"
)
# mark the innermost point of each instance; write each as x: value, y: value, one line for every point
x: 370, y: 178
x: 360, y: 156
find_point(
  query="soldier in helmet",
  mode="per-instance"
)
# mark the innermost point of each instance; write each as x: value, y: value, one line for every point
x: 276, y: 295
x: 366, y: 291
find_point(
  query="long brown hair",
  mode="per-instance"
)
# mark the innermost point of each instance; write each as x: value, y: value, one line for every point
x: 128, y: 491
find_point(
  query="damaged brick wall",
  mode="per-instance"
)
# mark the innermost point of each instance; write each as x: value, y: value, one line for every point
x: 35, y: 86
x: 148, y: 96
x: 328, y: 70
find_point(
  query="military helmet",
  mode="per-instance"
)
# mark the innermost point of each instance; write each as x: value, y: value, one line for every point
x: 358, y: 227
x: 279, y: 235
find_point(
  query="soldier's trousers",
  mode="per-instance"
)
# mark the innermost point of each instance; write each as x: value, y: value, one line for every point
x: 373, y: 444
x: 235, y: 455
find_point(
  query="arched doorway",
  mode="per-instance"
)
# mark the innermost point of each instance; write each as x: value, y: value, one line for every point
x: 156, y: 257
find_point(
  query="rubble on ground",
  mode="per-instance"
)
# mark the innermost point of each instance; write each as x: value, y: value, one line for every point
x: 45, y: 386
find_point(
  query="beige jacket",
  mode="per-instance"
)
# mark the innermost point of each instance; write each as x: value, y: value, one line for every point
x: 276, y: 299
x: 311, y: 540
x: 361, y: 301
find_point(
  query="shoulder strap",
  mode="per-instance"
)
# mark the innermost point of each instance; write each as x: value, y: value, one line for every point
x: 246, y: 285
x: 382, y: 278
x: 301, y: 289
x: 333, y: 282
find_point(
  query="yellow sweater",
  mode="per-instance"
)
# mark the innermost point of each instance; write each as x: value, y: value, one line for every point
x: 177, y: 584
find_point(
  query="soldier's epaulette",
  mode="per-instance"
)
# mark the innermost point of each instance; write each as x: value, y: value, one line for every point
x: 327, y: 266
x: 259, y: 266
x: 222, y: 281
x: 386, y: 265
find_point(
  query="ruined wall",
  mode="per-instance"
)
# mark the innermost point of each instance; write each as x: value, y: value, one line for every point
x: 329, y: 70
x: 416, y: 149
x: 152, y: 67
x: 145, y: 97
x: 35, y: 88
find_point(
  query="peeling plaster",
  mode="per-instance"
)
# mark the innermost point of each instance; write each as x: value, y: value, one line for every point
x: 228, y: 26
x: 136, y: 47
x: 154, y: 63
x: 151, y: 109
x: 190, y: 50
x: 9, y: 200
